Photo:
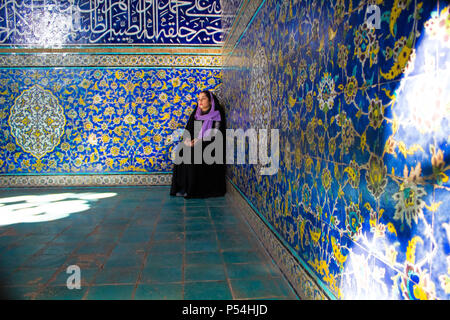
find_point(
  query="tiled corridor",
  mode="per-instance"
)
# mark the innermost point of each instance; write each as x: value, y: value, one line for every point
x: 130, y: 243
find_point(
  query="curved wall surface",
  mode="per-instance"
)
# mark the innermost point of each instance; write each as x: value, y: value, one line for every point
x: 359, y: 91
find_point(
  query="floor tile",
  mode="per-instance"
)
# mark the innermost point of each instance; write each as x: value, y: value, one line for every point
x: 204, y: 272
x: 95, y: 247
x: 205, y: 235
x: 211, y: 290
x: 141, y: 238
x: 124, y: 260
x: 61, y: 293
x: 199, y: 226
x: 203, y: 258
x: 235, y: 244
x: 61, y: 277
x: 167, y: 236
x: 202, y: 245
x: 60, y: 249
x: 50, y: 261
x: 169, y: 228
x: 167, y: 246
x: 158, y: 291
x: 140, y: 244
x: 247, y: 271
x: 256, y: 288
x: 164, y: 259
x: 127, y: 249
x: 86, y: 261
x: 158, y: 274
x: 19, y: 292
x: 30, y: 277
x: 241, y: 256
x: 110, y: 292
x: 117, y: 276
x: 197, y: 212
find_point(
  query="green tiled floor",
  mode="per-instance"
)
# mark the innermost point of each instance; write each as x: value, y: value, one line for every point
x: 139, y: 243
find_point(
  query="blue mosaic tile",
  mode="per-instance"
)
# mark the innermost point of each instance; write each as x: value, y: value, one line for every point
x: 363, y: 173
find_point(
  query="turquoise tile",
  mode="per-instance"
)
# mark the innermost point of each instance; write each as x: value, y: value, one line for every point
x: 256, y: 288
x: 247, y: 271
x: 211, y: 290
x: 60, y: 249
x: 203, y: 258
x: 115, y: 222
x: 235, y: 244
x: 167, y: 246
x: 111, y: 292
x: 135, y: 238
x: 123, y: 261
x: 173, y: 206
x: 78, y: 232
x: 95, y: 248
x: 158, y: 274
x: 220, y: 211
x: 137, y: 230
x: 67, y: 238
x: 117, y: 276
x: 164, y: 260
x: 181, y: 240
x: 204, y: 272
x: 61, y: 293
x: 157, y: 291
x: 19, y: 292
x: 169, y: 228
x: 224, y: 217
x: 273, y: 268
x: 36, y: 238
x: 242, y: 256
x: 104, y: 236
x: 224, y: 236
x: 17, y: 250
x: 195, y: 203
x: 199, y: 226
x: 205, y: 245
x: 213, y: 201
x: 86, y: 277
x: 207, y: 235
x: 123, y: 248
x: 196, y: 220
x: 197, y: 212
x: 50, y: 261
x: 167, y: 236
x: 285, y: 288
x: 86, y: 261
x: 169, y: 219
x: 30, y: 277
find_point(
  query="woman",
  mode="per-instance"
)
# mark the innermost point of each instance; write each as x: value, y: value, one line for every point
x: 202, y: 180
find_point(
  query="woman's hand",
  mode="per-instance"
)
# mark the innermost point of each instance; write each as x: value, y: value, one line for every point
x: 194, y: 142
x: 191, y: 143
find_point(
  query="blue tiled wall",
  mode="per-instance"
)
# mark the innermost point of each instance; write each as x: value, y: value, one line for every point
x: 88, y: 22
x: 362, y: 193
x: 120, y: 80
x: 112, y: 120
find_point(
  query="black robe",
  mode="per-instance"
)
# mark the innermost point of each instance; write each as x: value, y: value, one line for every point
x: 201, y: 180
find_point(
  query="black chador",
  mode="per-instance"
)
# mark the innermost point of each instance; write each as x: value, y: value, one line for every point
x: 199, y: 170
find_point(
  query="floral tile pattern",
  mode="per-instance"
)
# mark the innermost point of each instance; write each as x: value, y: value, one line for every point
x: 362, y: 189
x: 113, y: 120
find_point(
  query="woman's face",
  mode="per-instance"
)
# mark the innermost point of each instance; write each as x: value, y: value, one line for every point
x: 203, y: 102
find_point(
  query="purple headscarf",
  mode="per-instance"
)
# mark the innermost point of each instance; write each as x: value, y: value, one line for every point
x: 208, y: 118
